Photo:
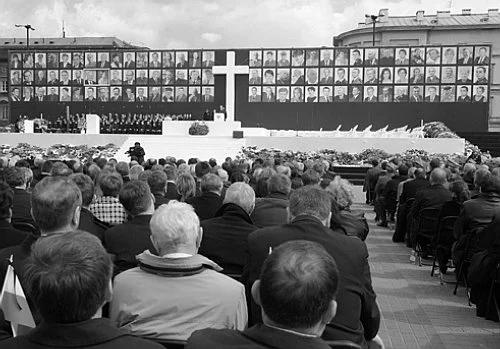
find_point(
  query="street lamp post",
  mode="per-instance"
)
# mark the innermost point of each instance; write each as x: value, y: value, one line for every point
x: 374, y: 22
x: 28, y: 28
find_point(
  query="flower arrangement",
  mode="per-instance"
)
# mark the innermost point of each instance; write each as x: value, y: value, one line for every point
x: 58, y: 151
x: 198, y: 129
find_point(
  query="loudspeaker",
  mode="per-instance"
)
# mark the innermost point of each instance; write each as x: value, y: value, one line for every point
x: 237, y: 134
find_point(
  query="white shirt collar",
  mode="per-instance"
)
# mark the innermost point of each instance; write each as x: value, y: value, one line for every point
x: 293, y: 332
x: 178, y: 255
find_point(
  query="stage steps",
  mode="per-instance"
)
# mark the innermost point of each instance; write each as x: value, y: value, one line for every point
x: 184, y: 147
x: 486, y: 141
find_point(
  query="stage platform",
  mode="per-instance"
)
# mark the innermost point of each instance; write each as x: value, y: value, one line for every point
x: 220, y: 147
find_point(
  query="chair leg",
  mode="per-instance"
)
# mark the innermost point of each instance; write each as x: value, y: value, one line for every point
x: 459, y: 274
x: 434, y: 262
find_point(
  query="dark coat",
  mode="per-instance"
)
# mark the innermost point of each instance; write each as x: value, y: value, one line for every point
x: 206, y: 205
x: 21, y: 206
x: 171, y: 191
x: 358, y: 316
x: 9, y: 236
x: 89, y: 223
x: 127, y: 240
x: 225, y: 238
x: 410, y: 189
x: 256, y: 337
x: 371, y: 178
x: 271, y: 210
x: 391, y: 192
x: 432, y: 197
x: 160, y: 200
x: 94, y: 333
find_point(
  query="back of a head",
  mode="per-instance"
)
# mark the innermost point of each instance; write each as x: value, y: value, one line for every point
x: 420, y: 173
x: 60, y: 169
x: 171, y: 172
x: 135, y: 171
x: 6, y: 199
x: 53, y: 202
x: 157, y: 181
x: 211, y: 183
x: 311, y: 177
x: 47, y: 167
x: 374, y: 162
x: 469, y: 169
x: 285, y: 170
x: 175, y: 226
x: 212, y: 162
x: 122, y: 168
x: 201, y: 169
x: 135, y: 197
x: 67, y: 277
x: 186, y: 185
x: 310, y: 201
x: 223, y: 175
x: 110, y: 183
x: 298, y: 281
x: 241, y: 194
x: 14, y: 176
x: 438, y: 176
x: 86, y: 186
x: 496, y: 172
x: 144, y: 175
x: 342, y: 192
x: 480, y: 176
x: 435, y: 163
x: 94, y: 171
x: 403, y: 170
x: 279, y: 183
x: 490, y: 184
x: 460, y: 190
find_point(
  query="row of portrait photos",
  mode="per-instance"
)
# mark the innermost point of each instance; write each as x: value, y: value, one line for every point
x: 107, y: 77
x: 328, y: 57
x: 369, y: 94
x: 116, y: 59
x: 166, y: 94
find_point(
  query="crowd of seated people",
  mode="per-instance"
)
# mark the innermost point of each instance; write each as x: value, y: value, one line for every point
x: 449, y: 214
x: 186, y: 252
x: 130, y: 123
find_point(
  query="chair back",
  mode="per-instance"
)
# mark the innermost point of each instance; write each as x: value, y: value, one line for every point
x: 171, y: 343
x: 27, y: 227
x: 428, y: 222
x: 343, y: 344
x: 445, y: 231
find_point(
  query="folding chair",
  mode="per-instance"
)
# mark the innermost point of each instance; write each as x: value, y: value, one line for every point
x: 171, y: 343
x: 466, y: 260
x: 426, y: 232
x: 444, y: 235
x: 342, y: 344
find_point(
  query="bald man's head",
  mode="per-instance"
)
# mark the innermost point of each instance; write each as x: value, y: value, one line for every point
x: 438, y: 176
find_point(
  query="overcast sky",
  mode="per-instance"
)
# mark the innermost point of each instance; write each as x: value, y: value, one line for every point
x: 210, y: 23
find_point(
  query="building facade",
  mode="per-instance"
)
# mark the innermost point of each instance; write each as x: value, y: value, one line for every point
x: 442, y: 28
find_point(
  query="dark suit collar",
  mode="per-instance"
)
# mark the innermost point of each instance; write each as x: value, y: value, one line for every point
x: 142, y: 219
x: 275, y: 338
x: 210, y: 194
x: 82, y: 334
x: 306, y: 219
x: 232, y: 210
x: 277, y: 195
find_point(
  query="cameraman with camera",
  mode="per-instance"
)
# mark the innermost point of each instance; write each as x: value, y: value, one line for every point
x: 136, y: 153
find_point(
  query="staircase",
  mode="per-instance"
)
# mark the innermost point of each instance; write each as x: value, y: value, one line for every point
x: 486, y: 141
x: 183, y: 147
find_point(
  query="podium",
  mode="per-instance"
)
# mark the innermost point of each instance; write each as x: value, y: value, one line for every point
x: 29, y: 126
x: 93, y: 122
x: 219, y: 117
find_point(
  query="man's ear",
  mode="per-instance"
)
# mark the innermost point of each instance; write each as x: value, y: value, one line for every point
x: 289, y: 215
x: 76, y: 216
x: 330, y: 312
x: 200, y: 237
x: 328, y: 220
x: 256, y: 292
x: 109, y: 291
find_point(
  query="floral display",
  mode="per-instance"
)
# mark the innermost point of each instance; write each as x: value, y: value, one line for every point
x: 58, y: 151
x: 198, y: 129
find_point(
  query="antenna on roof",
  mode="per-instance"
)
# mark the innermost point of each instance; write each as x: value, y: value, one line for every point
x: 63, y: 30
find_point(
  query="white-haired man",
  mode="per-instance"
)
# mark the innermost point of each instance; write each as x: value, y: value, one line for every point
x: 178, y: 291
x: 225, y: 235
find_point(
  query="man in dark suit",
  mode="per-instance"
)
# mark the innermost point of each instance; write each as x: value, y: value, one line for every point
x: 16, y: 178
x: 432, y: 97
x: 68, y: 281
x: 157, y: 182
x: 171, y: 189
x: 297, y: 308
x: 482, y: 58
x: 56, y: 210
x: 103, y: 61
x: 356, y: 58
x: 272, y: 210
x: 416, y: 95
x: 127, y: 240
x: 88, y: 222
x: 355, y: 95
x: 225, y: 236
x: 9, y: 236
x: 129, y: 61
x: 209, y: 202
x: 370, y: 96
x: 371, y: 179
x: 358, y: 316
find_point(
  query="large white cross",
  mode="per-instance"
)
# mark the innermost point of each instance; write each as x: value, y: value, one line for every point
x: 230, y: 70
